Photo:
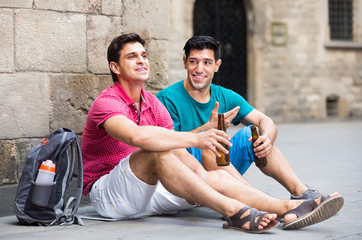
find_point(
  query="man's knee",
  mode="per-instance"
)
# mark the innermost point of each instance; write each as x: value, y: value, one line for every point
x: 220, y: 173
x: 217, y: 177
x: 146, y: 165
x: 152, y: 154
x: 149, y: 159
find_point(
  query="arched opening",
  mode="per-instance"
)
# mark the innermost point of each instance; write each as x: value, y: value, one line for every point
x: 332, y: 105
x: 227, y: 22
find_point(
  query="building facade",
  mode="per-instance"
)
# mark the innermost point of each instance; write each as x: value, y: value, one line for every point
x: 295, y: 69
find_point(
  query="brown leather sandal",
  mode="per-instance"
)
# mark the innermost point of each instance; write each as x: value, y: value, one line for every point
x: 255, y: 217
x: 309, y: 212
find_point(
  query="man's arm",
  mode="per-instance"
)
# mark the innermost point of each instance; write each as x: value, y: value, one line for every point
x: 153, y: 138
x: 267, y: 130
x: 212, y: 123
x: 268, y: 133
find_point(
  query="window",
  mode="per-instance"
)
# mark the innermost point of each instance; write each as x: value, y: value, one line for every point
x: 341, y: 20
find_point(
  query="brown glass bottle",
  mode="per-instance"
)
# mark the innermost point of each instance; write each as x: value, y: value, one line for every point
x: 259, y: 162
x: 224, y: 160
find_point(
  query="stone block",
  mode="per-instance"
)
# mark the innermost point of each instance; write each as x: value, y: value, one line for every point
x: 103, y: 81
x: 13, y: 154
x: 157, y: 50
x: 112, y: 7
x: 150, y: 19
x: 24, y: 105
x: 358, y: 79
x: 50, y: 41
x: 356, y: 110
x: 71, y: 98
x: 16, y: 3
x: 7, y: 41
x: 100, y: 32
x: 8, y: 167
x: 89, y: 6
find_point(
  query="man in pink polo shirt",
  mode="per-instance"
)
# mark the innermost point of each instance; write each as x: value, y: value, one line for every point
x: 136, y: 165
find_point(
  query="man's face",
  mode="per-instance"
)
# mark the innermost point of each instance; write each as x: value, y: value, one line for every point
x: 201, y: 67
x: 133, y: 62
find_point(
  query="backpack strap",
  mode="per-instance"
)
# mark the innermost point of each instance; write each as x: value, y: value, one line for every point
x: 69, y: 217
x: 69, y: 214
x: 79, y: 178
x: 62, y: 141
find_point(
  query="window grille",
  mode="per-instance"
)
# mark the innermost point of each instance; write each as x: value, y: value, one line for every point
x: 332, y: 105
x: 341, y: 20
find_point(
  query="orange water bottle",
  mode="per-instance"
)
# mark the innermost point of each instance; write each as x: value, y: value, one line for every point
x: 46, y: 173
x: 43, y: 187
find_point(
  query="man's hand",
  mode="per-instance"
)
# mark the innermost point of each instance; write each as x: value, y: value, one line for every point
x: 263, y: 146
x: 212, y: 140
x: 228, y: 116
x: 267, y: 131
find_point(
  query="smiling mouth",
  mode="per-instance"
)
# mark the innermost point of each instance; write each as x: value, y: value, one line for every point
x: 198, y: 76
x: 141, y: 69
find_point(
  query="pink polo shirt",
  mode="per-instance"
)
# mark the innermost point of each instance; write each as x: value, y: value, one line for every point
x: 101, y: 153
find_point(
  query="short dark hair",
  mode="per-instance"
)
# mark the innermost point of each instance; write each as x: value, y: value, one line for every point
x: 203, y: 42
x: 114, y: 49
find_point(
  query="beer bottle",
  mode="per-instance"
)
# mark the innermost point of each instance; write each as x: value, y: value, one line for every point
x: 224, y: 159
x: 259, y: 162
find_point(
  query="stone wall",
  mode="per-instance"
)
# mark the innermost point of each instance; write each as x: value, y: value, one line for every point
x: 301, y: 75
x: 53, y: 64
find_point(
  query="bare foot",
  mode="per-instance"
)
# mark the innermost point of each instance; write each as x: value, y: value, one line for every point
x: 248, y: 219
x: 267, y: 219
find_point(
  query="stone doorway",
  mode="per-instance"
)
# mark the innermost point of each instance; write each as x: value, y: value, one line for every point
x: 227, y: 22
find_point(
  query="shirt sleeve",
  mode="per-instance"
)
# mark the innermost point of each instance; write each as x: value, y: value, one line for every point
x: 106, y: 107
x: 237, y: 100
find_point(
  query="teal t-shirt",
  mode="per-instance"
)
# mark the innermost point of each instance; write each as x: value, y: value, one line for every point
x: 188, y: 114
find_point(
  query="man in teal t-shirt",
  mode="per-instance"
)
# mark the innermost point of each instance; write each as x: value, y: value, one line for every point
x: 188, y: 114
x: 195, y: 102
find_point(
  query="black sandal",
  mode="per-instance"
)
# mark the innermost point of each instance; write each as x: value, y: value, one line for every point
x: 309, y: 212
x: 255, y: 217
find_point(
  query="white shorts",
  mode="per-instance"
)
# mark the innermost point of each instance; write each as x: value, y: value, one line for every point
x: 121, y: 195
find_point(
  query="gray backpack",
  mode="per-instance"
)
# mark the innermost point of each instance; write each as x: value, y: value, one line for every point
x: 63, y: 148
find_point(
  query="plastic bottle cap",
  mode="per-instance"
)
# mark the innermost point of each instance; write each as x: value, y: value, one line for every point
x: 48, y: 165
